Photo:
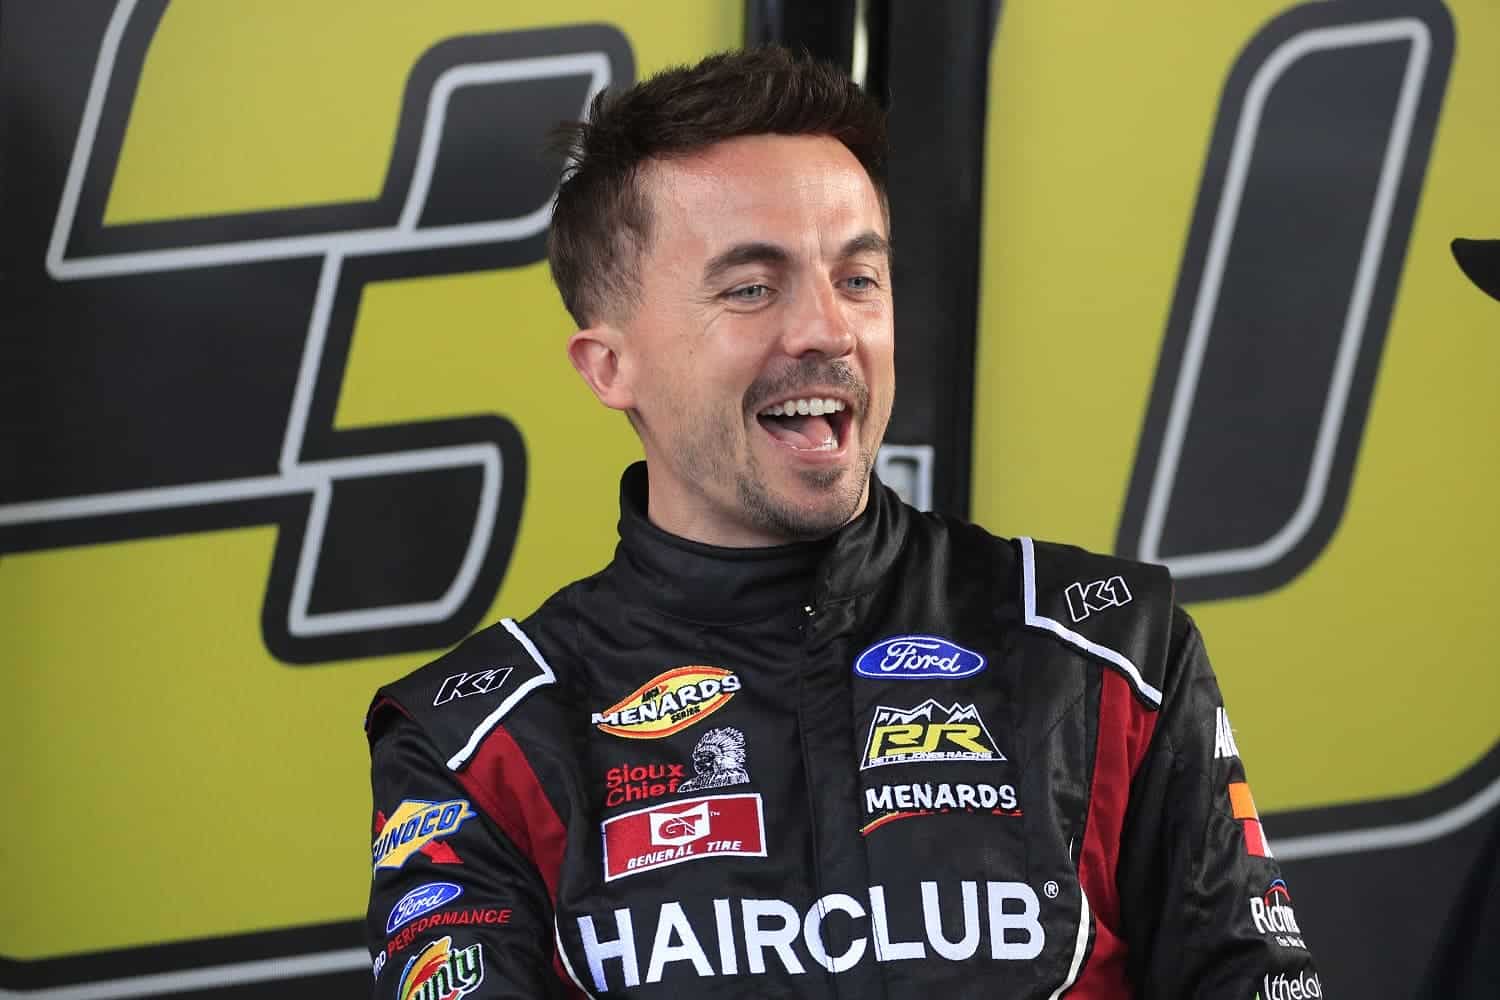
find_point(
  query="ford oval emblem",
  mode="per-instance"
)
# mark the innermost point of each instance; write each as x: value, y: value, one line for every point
x: 918, y: 658
x: 422, y: 899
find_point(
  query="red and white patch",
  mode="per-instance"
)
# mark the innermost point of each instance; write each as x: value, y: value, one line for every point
x: 660, y: 836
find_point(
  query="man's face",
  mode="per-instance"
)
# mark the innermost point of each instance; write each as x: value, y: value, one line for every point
x: 765, y: 292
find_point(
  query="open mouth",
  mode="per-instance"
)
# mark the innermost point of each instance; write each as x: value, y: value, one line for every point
x: 808, y: 423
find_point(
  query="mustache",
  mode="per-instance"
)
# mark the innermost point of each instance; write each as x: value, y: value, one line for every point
x: 806, y: 373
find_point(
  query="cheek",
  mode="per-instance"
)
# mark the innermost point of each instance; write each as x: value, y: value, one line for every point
x: 880, y: 360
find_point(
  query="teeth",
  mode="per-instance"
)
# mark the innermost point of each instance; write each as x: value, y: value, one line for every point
x: 804, y: 408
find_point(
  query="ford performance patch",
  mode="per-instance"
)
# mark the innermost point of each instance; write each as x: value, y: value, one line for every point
x: 918, y: 658
x: 422, y: 899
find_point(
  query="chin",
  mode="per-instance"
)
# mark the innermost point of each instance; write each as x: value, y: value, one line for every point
x: 818, y: 503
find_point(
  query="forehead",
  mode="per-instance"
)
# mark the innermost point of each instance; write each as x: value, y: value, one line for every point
x: 789, y: 189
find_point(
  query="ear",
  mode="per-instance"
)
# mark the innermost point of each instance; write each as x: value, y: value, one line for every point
x: 597, y: 353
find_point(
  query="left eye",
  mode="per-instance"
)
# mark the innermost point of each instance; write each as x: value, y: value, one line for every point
x: 750, y: 292
x: 860, y: 283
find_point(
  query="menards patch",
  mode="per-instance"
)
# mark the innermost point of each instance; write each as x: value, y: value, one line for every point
x: 669, y: 702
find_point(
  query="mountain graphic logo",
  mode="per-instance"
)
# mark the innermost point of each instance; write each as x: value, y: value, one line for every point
x: 928, y: 732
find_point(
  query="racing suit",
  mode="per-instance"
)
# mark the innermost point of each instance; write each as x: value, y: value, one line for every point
x: 912, y: 757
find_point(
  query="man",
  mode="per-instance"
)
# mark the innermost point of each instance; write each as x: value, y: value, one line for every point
x: 1465, y: 963
x: 936, y: 759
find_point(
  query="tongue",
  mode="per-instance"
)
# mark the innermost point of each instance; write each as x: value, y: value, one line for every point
x: 799, y: 432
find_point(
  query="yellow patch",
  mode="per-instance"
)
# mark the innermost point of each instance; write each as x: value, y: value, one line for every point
x: 669, y: 703
x: 414, y: 825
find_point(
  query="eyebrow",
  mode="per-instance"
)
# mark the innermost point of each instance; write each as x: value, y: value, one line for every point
x: 866, y: 242
x: 770, y: 253
x: 743, y: 253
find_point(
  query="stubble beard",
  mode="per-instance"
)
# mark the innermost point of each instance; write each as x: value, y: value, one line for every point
x: 709, y: 463
x: 842, y: 488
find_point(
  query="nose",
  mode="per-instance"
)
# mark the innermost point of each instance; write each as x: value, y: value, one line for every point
x: 820, y: 324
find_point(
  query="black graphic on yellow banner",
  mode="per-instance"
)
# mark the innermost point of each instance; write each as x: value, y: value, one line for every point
x: 392, y: 537
x: 227, y: 225
x: 1284, y: 296
x: 1292, y: 242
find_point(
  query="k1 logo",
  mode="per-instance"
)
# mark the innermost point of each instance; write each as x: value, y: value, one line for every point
x: 1086, y: 598
x: 184, y: 373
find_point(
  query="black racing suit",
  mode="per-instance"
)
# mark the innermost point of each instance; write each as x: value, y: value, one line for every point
x: 913, y: 760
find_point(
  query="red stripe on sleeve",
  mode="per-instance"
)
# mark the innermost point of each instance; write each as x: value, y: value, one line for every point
x: 523, y: 812
x: 1125, y: 728
x: 1255, y: 838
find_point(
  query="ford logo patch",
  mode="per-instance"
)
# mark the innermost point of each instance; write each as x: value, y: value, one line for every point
x: 918, y: 658
x: 422, y: 899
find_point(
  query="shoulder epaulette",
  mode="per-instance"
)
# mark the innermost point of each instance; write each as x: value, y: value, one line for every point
x: 460, y: 697
x: 1116, y: 610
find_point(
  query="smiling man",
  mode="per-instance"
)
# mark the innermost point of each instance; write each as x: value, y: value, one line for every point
x: 754, y: 353
x: 798, y: 739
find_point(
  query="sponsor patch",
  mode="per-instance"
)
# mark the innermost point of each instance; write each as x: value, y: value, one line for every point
x: 929, y: 732
x: 379, y: 965
x: 1284, y: 986
x: 918, y: 658
x: 436, y: 851
x: 416, y: 825
x: 403, y: 938
x: 1273, y: 916
x: 1224, y: 745
x: 441, y: 972
x: 718, y: 760
x: 422, y: 899
x: 684, y: 941
x: 465, y: 685
x: 625, y: 783
x: 1243, y: 806
x: 886, y: 803
x: 661, y: 836
x: 1086, y: 598
x: 669, y: 703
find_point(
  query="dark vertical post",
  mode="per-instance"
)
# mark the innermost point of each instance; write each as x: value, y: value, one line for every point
x: 929, y: 64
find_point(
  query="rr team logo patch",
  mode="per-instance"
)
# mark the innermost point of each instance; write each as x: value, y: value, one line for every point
x: 415, y: 826
x: 683, y: 831
x: 929, y: 732
x: 441, y: 972
x: 669, y: 703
